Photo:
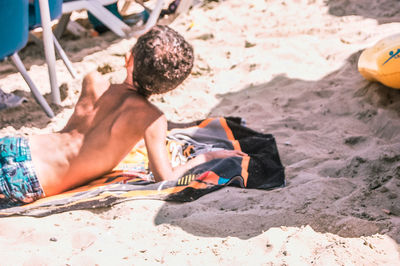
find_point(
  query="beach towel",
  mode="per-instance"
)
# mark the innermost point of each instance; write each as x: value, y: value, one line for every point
x: 131, y: 179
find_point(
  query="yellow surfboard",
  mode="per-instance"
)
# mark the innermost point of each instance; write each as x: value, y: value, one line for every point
x: 382, y: 62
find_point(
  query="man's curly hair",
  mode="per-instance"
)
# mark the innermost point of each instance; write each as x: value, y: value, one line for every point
x: 162, y: 60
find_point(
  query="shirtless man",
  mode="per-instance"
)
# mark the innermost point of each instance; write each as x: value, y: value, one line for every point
x: 109, y: 119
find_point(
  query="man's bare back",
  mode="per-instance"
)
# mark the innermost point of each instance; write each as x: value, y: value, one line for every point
x: 108, y: 121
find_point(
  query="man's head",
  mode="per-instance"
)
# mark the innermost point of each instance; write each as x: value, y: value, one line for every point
x: 162, y: 60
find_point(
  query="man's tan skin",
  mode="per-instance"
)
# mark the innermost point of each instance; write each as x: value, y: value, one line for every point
x: 108, y: 121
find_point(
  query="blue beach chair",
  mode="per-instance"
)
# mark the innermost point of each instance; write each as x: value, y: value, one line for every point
x: 14, y: 31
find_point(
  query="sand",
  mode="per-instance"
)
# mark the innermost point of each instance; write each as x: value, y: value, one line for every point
x: 290, y: 69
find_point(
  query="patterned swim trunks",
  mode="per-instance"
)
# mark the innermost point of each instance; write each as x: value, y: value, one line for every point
x: 18, y: 181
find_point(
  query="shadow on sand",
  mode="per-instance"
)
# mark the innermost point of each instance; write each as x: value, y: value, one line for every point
x: 385, y: 11
x: 337, y: 138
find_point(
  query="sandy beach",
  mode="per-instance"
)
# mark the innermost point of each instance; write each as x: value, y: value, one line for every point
x: 289, y: 68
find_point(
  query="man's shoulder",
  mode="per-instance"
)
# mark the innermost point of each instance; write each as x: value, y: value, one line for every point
x: 95, y: 84
x: 93, y: 76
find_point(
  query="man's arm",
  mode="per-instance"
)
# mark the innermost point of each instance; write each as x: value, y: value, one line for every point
x: 155, y: 139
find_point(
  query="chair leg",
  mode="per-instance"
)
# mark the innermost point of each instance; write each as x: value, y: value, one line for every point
x: 49, y: 50
x: 64, y: 57
x: 36, y: 94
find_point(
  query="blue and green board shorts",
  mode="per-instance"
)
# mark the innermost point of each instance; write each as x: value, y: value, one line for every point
x: 18, y: 181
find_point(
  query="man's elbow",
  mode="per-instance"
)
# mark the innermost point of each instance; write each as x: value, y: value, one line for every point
x: 92, y: 76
